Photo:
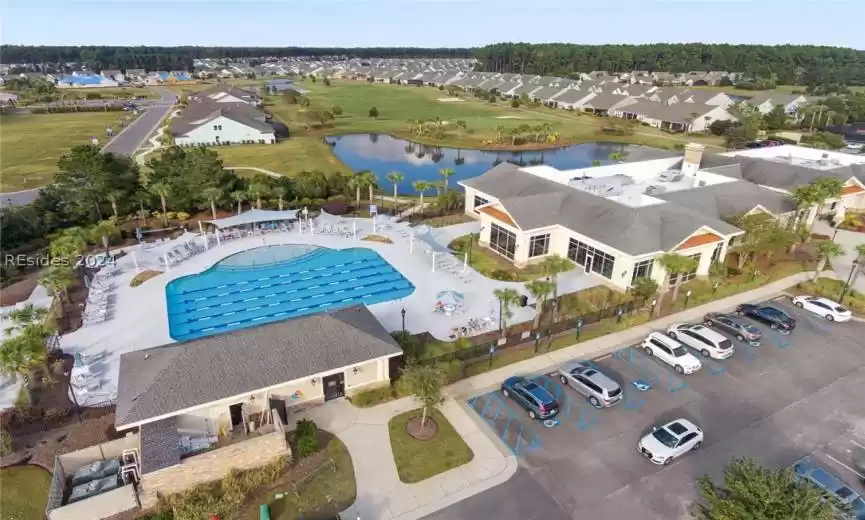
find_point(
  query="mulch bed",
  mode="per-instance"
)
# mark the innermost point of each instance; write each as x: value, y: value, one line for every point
x: 422, y: 433
x: 20, y: 290
x: 96, y: 427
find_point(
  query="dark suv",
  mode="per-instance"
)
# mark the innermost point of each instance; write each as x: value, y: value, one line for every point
x: 534, y: 398
x: 777, y: 319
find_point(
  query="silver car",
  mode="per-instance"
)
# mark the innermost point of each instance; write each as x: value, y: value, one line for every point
x: 600, y: 390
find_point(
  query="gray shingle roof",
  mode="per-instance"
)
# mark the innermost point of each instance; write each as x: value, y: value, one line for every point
x: 730, y: 199
x: 160, y: 447
x: 167, y: 379
x: 535, y: 202
x: 200, y: 113
x: 784, y: 175
x: 546, y: 93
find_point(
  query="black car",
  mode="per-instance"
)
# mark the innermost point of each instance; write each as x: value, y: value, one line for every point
x: 775, y: 318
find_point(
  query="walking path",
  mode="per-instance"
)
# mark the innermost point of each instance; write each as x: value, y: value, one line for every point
x: 380, y: 493
x: 848, y: 240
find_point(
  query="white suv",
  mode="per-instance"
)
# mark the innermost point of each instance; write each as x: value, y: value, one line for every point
x: 671, y: 352
x: 702, y: 339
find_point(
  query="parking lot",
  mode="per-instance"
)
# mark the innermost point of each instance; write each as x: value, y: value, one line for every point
x: 789, y: 397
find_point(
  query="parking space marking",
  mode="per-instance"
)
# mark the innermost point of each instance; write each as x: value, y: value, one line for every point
x: 654, y: 372
x: 508, y: 425
x: 845, y: 466
x: 747, y: 353
x: 781, y: 341
x: 714, y: 367
x: 632, y: 399
x: 586, y: 414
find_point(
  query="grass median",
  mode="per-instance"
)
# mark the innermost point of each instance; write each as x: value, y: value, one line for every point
x: 418, y: 460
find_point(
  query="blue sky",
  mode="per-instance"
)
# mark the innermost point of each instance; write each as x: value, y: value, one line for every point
x: 429, y: 23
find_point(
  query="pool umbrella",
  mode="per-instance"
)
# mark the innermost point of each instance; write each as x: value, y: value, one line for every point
x: 79, y: 360
x: 449, y: 298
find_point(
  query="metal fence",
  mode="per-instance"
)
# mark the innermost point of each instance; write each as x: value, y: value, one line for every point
x: 489, y: 345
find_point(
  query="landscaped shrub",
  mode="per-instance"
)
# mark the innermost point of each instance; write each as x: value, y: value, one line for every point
x: 182, y: 216
x: 306, y: 439
x: 5, y: 443
x: 503, y: 275
x: 374, y: 396
x: 220, y: 498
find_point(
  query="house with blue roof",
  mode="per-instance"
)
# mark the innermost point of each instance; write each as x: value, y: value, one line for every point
x: 86, y: 81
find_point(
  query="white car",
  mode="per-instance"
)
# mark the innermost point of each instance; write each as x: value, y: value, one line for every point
x: 702, y: 339
x: 670, y: 441
x: 671, y: 352
x: 824, y: 307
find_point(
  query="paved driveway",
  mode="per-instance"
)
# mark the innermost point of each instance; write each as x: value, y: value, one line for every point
x: 791, y: 396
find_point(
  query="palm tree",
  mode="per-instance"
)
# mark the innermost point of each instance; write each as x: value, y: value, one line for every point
x: 506, y: 297
x: 540, y: 289
x: 280, y: 191
x: 805, y: 197
x: 58, y: 279
x: 113, y: 197
x: 461, y: 125
x: 515, y: 133
x: 26, y: 315
x: 212, y: 194
x: 676, y: 265
x: 104, y: 229
x: 395, y: 178
x: 826, y: 249
x: 356, y: 184
x: 551, y: 267
x: 500, y: 133
x: 368, y: 179
x: 446, y: 173
x: 421, y: 187
x: 240, y: 197
x: 257, y: 190
x: 827, y: 188
x: 68, y: 244
x: 21, y: 356
x: 161, y: 190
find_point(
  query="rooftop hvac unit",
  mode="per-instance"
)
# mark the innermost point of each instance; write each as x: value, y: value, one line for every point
x: 655, y: 190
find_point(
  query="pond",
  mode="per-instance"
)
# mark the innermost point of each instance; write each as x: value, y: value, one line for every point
x: 382, y: 154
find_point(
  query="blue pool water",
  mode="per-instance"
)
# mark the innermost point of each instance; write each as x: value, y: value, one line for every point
x: 274, y: 283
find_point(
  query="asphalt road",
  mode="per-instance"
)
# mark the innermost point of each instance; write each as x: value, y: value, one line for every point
x: 133, y: 136
x: 126, y: 142
x: 790, y: 397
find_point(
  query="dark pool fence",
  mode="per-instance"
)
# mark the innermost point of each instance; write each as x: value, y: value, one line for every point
x: 492, y: 343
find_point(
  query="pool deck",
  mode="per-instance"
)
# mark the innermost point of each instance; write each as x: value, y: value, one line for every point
x: 138, y: 318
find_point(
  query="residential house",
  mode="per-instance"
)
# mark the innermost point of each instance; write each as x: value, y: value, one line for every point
x: 225, y: 93
x: 546, y: 95
x: 132, y: 75
x: 766, y: 101
x: 674, y: 117
x: 220, y: 115
x: 603, y: 103
x: 113, y: 74
x: 210, y: 405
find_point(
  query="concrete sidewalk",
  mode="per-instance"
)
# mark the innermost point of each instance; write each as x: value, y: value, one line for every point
x: 380, y: 493
x: 606, y: 344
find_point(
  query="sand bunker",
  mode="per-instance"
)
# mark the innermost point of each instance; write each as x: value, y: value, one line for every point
x: 449, y: 99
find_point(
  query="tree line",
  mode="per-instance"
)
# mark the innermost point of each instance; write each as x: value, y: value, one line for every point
x: 789, y: 64
x: 177, y: 58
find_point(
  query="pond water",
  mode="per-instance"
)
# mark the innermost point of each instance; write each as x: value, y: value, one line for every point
x: 382, y: 154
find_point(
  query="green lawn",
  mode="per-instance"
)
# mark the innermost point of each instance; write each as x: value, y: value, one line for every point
x: 108, y: 93
x: 30, y: 145
x: 492, y: 265
x: 419, y: 460
x: 24, y: 492
x: 397, y: 104
x: 326, y: 491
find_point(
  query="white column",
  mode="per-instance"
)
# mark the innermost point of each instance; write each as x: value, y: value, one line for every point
x: 373, y: 223
x: 201, y: 227
x: 465, y: 261
x: 165, y: 257
x: 354, y: 228
x: 218, y: 243
x: 411, y: 244
x: 135, y: 260
x: 433, y: 261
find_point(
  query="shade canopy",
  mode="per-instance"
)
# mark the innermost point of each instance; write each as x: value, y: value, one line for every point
x: 254, y: 216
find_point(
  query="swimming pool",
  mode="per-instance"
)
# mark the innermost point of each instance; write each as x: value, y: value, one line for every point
x: 268, y: 284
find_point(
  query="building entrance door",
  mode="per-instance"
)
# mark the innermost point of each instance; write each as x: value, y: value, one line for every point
x: 334, y: 386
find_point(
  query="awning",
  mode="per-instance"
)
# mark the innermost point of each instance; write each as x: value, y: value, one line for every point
x: 254, y: 216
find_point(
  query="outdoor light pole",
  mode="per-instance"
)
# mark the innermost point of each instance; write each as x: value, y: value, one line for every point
x: 849, y: 278
x: 402, y: 312
x: 687, y: 297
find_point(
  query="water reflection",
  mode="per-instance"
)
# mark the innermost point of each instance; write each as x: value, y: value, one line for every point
x: 381, y: 154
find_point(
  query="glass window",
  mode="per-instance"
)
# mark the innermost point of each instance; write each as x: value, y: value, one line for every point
x: 690, y: 275
x: 479, y: 201
x: 642, y: 270
x: 502, y: 241
x: 539, y: 245
x: 591, y: 259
